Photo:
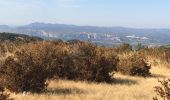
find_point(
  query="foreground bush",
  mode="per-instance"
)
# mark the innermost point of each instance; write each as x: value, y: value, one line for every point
x: 88, y: 62
x: 31, y: 66
x: 163, y: 91
x: 3, y: 96
x: 7, y: 48
x: 133, y: 64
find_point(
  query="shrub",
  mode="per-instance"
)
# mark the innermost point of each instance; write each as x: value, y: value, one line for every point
x: 3, y: 96
x: 160, y: 54
x: 31, y: 66
x: 139, y: 47
x: 7, y: 48
x: 133, y: 64
x: 163, y: 91
x: 124, y: 48
x: 2, y: 49
x: 88, y: 62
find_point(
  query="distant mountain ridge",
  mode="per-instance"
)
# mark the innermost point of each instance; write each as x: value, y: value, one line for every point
x: 99, y: 35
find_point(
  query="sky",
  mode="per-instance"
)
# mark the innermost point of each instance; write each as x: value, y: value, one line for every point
x: 125, y: 13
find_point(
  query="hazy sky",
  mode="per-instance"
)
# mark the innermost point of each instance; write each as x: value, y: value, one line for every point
x: 128, y: 13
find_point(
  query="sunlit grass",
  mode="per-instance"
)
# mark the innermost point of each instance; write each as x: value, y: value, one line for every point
x: 123, y: 88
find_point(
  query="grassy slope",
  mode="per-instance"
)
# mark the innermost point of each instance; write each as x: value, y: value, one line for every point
x: 125, y: 88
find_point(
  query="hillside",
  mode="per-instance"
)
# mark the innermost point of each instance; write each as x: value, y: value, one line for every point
x: 77, y: 70
x: 107, y: 36
x: 11, y: 37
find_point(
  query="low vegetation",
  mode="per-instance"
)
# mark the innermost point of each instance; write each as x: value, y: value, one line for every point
x: 163, y: 91
x: 88, y: 62
x: 3, y: 95
x: 33, y: 64
x: 133, y: 64
x: 29, y: 66
x: 157, y: 56
x: 11, y: 37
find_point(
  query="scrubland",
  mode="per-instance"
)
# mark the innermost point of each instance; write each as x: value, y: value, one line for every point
x: 123, y: 88
x: 76, y: 70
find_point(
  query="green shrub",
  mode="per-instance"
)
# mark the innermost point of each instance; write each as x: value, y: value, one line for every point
x: 133, y: 64
x: 31, y: 66
x: 124, y: 48
x: 139, y: 47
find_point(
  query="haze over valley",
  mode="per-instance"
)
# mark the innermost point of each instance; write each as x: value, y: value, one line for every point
x: 107, y: 36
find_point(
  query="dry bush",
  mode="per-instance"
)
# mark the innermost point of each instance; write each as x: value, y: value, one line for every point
x: 157, y: 55
x: 3, y: 96
x: 88, y: 62
x: 32, y: 65
x: 2, y: 49
x: 163, y: 91
x: 7, y: 48
x: 133, y: 64
x: 124, y: 48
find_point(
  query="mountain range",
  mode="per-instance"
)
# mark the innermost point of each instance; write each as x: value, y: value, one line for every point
x: 108, y: 36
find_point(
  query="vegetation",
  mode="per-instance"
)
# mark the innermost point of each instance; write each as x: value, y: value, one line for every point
x: 133, y: 64
x: 158, y: 55
x: 163, y: 91
x: 33, y: 64
x: 11, y: 37
x: 3, y: 96
x: 124, y: 48
x: 29, y: 66
x: 139, y: 46
x: 89, y: 62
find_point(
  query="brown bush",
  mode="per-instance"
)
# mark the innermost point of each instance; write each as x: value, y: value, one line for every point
x: 3, y: 96
x: 133, y: 64
x: 157, y: 55
x: 88, y: 62
x: 32, y: 65
x: 163, y: 91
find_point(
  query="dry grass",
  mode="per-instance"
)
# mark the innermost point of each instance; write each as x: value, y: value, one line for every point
x: 158, y: 62
x: 124, y: 88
